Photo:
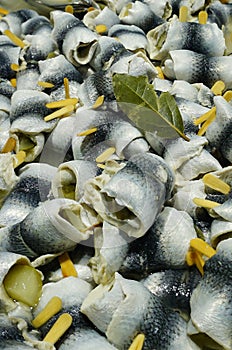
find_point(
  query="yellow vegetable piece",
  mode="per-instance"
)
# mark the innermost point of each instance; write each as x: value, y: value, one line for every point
x: 138, y: 342
x: 66, y: 264
x: 9, y: 145
x: 218, y: 87
x: 52, y: 308
x: 160, y: 72
x: 202, y: 247
x: 205, y: 116
x: 183, y: 14
x: 59, y: 113
x: 45, y: 84
x: 62, y: 103
x: 215, y: 183
x: 17, y: 41
x: 23, y: 283
x: 228, y: 95
x: 101, y: 28
x: 69, y: 9
x: 205, y: 203
x: 105, y: 155
x: 19, y: 158
x: 202, y: 17
x: 59, y: 328
x: 206, y: 124
x: 15, y: 67
x: 199, y: 262
x: 99, y: 102
x: 3, y: 11
x: 87, y: 132
x: 66, y: 88
x: 13, y: 82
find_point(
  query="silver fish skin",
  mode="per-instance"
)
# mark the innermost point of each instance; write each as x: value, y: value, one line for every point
x: 219, y: 132
x: 195, y: 65
x: 174, y: 287
x: 95, y: 85
x: 36, y: 25
x: 176, y: 35
x: 14, y: 20
x: 220, y: 229
x: 10, y: 335
x: 97, y: 17
x: 135, y: 64
x: 37, y: 34
x: 131, y: 14
x: 113, y: 130
x: 32, y: 187
x: 81, y: 334
x: 133, y: 197
x: 39, y: 46
x: 28, y: 109
x: 70, y: 178
x: 52, y: 227
x: 211, y: 299
x: 193, y: 6
x: 161, y: 8
x: 131, y: 36
x: 27, y: 79
x: 5, y: 128
x: 7, y: 57
x: 108, y: 51
x: 55, y: 69
x: 111, y: 246
x: 184, y: 194
x: 112, y: 310
x: 219, y: 13
x: 164, y: 245
x: 58, y: 145
x: 180, y: 155
x: 76, y: 41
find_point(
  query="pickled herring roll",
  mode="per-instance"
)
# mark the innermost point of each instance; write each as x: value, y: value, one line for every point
x: 125, y: 308
x: 133, y: 197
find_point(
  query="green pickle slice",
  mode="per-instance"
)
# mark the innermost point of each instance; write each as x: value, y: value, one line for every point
x: 24, y: 283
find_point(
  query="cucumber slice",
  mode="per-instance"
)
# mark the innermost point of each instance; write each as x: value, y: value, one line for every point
x: 24, y: 283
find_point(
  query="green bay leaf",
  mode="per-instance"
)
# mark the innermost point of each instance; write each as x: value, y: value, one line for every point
x: 138, y: 99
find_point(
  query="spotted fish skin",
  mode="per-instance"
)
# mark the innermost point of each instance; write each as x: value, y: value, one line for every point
x: 198, y: 68
x: 112, y: 309
x: 81, y: 334
x: 211, y: 300
x: 33, y: 186
x: 154, y: 251
x: 174, y: 287
x: 133, y: 197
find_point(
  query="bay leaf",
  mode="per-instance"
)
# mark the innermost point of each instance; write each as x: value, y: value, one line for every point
x: 138, y: 99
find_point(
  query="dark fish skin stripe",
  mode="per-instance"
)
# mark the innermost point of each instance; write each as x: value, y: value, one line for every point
x: 80, y: 321
x: 6, y: 89
x: 5, y: 72
x: 121, y: 31
x: 192, y: 39
x: 10, y: 332
x: 30, y: 107
x: 219, y: 13
x: 24, y: 14
x: 34, y: 24
x: 99, y: 84
x: 101, y: 135
x: 160, y: 325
